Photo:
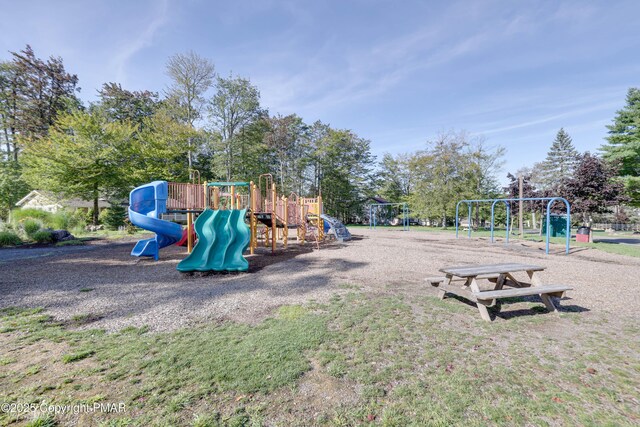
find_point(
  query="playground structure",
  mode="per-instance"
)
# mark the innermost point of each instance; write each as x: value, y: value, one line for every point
x: 223, y: 210
x: 374, y: 212
x: 550, y: 201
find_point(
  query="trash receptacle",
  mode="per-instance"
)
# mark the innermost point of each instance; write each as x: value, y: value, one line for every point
x: 582, y: 235
x: 558, y: 225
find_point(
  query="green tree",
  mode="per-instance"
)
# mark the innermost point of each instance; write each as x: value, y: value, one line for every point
x: 317, y: 139
x: 623, y: 144
x: 396, y: 182
x: 45, y: 89
x: 285, y: 138
x: 12, y: 186
x: 83, y: 156
x: 345, y: 176
x: 32, y: 93
x: 159, y: 149
x: 9, y: 103
x: 254, y: 156
x: 123, y: 105
x: 444, y: 174
x: 191, y: 76
x: 561, y: 161
x: 235, y: 105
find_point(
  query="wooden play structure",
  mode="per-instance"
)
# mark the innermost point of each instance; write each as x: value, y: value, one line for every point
x: 270, y: 216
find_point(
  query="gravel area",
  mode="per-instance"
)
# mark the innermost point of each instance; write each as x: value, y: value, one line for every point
x: 119, y: 290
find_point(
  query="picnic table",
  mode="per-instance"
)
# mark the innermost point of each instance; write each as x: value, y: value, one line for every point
x: 463, y: 281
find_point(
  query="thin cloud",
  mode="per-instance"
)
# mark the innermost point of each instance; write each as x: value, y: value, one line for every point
x: 139, y: 41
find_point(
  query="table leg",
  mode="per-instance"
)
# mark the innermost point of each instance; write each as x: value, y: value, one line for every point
x: 546, y: 299
x: 442, y: 292
x: 484, y: 313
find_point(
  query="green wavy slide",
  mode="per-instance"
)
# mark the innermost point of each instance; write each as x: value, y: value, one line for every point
x: 223, y: 237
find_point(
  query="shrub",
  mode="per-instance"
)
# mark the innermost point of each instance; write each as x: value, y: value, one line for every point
x: 129, y: 227
x: 18, y: 215
x: 59, y: 220
x: 78, y: 219
x: 8, y: 238
x: 113, y: 217
x: 31, y: 227
x: 43, y: 236
x: 89, y: 217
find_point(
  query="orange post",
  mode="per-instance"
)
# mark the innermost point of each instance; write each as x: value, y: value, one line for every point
x: 216, y: 198
x: 320, y: 220
x: 206, y: 196
x: 233, y: 197
x: 302, y: 230
x: 273, y: 217
x: 285, y: 230
x: 253, y: 223
x: 189, y: 235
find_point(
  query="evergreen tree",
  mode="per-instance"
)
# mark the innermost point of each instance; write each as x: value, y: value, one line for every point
x: 32, y: 93
x: 123, y: 105
x: 623, y: 144
x: 561, y: 161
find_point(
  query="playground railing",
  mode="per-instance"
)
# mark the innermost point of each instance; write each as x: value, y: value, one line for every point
x: 185, y: 196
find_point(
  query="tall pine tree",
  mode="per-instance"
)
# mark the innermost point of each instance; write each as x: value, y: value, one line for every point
x: 561, y: 161
x: 623, y: 144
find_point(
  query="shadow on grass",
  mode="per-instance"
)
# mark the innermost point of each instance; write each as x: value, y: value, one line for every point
x: 497, y: 310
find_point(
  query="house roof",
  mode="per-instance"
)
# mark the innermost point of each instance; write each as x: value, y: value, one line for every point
x: 378, y: 200
x: 55, y: 199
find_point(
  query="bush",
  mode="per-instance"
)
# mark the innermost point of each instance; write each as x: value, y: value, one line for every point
x: 8, y: 238
x: 59, y: 220
x: 18, y: 215
x: 89, y: 217
x: 31, y: 227
x: 78, y: 220
x: 129, y: 227
x: 113, y: 217
x: 43, y: 236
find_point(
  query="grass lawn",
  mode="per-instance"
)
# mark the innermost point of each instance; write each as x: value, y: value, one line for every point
x: 358, y: 360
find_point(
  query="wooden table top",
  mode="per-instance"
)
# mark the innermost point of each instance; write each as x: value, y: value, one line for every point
x: 476, y: 270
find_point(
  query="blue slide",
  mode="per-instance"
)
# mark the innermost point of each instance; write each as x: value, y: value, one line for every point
x: 146, y: 204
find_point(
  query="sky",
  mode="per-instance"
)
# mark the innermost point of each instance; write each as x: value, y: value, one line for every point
x: 395, y: 72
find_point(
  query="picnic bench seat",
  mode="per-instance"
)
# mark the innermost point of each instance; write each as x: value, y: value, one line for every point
x: 436, y: 280
x: 550, y: 290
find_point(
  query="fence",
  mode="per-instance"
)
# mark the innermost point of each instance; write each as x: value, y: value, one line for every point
x: 616, y: 226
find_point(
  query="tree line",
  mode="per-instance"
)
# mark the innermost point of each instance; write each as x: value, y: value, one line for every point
x: 456, y: 166
x: 204, y: 125
x: 215, y: 127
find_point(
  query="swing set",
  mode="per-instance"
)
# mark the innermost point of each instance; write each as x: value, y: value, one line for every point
x: 375, y: 212
x: 550, y: 201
